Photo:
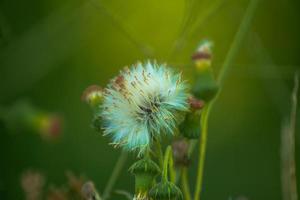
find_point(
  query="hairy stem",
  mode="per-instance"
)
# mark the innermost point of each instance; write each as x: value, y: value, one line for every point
x: 115, y: 174
x: 234, y: 49
x: 185, y: 184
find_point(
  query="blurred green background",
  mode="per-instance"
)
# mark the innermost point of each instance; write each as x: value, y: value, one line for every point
x: 51, y: 50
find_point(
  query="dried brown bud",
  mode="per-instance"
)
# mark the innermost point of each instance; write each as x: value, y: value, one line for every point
x: 180, y: 152
x: 75, y: 183
x: 57, y: 194
x: 89, y: 191
x: 32, y: 184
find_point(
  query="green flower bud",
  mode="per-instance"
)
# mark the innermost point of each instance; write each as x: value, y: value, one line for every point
x: 97, y: 123
x: 165, y: 190
x: 190, y: 127
x: 205, y: 86
x: 145, y: 171
x: 24, y: 117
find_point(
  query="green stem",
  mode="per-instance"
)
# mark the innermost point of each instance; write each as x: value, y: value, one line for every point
x: 172, y: 171
x: 117, y: 23
x: 185, y: 184
x: 97, y: 196
x: 234, y: 49
x: 115, y: 174
x: 236, y: 44
x: 159, y: 153
x: 192, y: 145
x: 202, y: 151
x: 166, y: 163
x: 292, y: 130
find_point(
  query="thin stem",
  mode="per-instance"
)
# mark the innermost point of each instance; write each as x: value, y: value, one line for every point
x: 234, y: 49
x: 96, y: 196
x: 116, y: 22
x: 202, y: 151
x: 185, y: 184
x: 172, y: 171
x: 166, y: 163
x: 294, y: 101
x: 115, y: 174
x: 288, y: 163
x: 192, y: 145
x: 292, y: 128
x: 236, y: 44
x: 159, y: 153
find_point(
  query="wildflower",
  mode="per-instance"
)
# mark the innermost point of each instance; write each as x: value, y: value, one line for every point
x: 141, y: 103
x: 145, y: 171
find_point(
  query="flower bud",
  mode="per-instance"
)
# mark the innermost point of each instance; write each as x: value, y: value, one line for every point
x: 97, y: 123
x: 75, y: 184
x: 202, y: 56
x: 190, y: 127
x: 57, y: 194
x: 180, y: 153
x: 165, y: 190
x: 32, y: 184
x: 49, y: 125
x: 93, y: 96
x: 145, y: 171
x: 195, y: 104
x: 205, y: 86
x: 24, y: 117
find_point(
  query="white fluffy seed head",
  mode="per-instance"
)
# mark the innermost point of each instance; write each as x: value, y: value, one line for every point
x: 141, y: 103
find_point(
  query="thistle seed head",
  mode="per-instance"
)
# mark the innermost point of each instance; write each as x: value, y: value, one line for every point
x: 141, y: 104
